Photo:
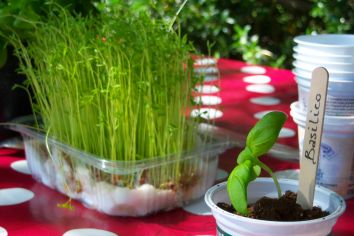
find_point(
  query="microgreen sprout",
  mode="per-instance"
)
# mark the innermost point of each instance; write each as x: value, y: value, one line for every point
x: 259, y: 140
x: 117, y: 86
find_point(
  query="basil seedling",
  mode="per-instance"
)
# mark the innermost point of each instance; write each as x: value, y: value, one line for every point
x: 259, y: 140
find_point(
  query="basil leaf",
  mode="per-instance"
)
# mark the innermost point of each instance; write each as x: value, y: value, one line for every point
x: 265, y: 133
x: 244, y: 155
x: 237, y: 186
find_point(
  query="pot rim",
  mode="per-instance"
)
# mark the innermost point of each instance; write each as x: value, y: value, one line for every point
x: 219, y: 187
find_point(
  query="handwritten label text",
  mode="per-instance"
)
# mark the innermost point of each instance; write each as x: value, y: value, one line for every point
x: 310, y: 152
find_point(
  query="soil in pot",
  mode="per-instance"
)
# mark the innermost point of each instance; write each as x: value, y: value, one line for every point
x: 279, y: 209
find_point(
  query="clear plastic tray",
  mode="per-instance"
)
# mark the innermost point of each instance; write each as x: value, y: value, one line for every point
x: 123, y: 188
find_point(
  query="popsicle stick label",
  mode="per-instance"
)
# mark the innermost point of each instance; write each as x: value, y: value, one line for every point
x: 312, y: 139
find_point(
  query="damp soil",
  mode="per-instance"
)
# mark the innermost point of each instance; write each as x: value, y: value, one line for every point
x: 279, y: 209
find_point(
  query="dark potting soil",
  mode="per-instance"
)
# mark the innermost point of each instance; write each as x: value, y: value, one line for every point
x: 282, y: 209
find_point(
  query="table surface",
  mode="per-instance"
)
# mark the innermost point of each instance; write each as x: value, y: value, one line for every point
x: 247, y: 92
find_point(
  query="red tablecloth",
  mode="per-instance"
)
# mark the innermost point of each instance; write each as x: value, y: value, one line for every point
x: 246, y: 92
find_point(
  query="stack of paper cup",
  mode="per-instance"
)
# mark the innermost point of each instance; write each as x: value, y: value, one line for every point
x: 335, y: 52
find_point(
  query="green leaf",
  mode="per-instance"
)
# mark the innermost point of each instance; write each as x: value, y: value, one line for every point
x: 265, y: 133
x: 244, y: 155
x: 237, y: 186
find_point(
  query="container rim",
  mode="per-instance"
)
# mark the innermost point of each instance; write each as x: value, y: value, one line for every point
x: 333, y: 77
x: 309, y: 52
x: 326, y: 40
x: 321, y: 61
x: 307, y: 76
x: 334, y: 72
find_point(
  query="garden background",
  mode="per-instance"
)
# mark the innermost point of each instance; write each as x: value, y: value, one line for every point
x: 255, y: 31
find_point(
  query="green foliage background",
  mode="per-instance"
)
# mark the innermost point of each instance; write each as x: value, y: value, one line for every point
x: 257, y: 31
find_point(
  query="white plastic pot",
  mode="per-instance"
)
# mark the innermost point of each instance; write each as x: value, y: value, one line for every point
x: 336, y: 165
x: 231, y: 224
x: 340, y: 96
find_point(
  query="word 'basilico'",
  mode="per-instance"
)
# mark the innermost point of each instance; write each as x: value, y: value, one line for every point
x: 313, y: 128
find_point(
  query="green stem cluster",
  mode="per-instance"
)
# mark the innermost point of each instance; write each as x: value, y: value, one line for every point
x: 259, y: 141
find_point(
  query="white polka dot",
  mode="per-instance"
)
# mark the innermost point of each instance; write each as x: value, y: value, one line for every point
x: 206, y: 70
x: 257, y: 79
x: 89, y: 232
x: 204, y: 127
x: 286, y: 133
x: 3, y: 232
x: 198, y: 207
x: 21, y: 166
x: 207, y: 113
x: 208, y: 78
x: 287, y: 174
x: 221, y: 174
x: 267, y: 101
x: 13, y: 196
x: 207, y: 89
x: 259, y: 115
x: 260, y: 88
x: 208, y: 100
x: 253, y: 70
x: 205, y: 61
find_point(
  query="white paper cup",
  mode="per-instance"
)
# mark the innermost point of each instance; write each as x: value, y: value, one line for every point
x: 314, y: 55
x: 342, y: 44
x: 340, y: 96
x: 336, y: 163
x: 332, y: 68
x: 336, y: 77
x: 329, y: 65
x: 231, y: 224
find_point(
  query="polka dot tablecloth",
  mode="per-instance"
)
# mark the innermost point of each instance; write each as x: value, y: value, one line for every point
x: 235, y: 102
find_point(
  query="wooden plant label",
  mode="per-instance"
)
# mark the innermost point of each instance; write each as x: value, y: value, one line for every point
x: 312, y: 140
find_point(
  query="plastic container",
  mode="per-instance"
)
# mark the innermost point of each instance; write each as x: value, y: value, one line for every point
x: 336, y: 163
x: 340, y: 96
x: 123, y: 188
x: 231, y: 224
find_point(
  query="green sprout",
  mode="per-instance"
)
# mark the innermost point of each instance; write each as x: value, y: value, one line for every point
x: 259, y: 140
x: 117, y: 86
